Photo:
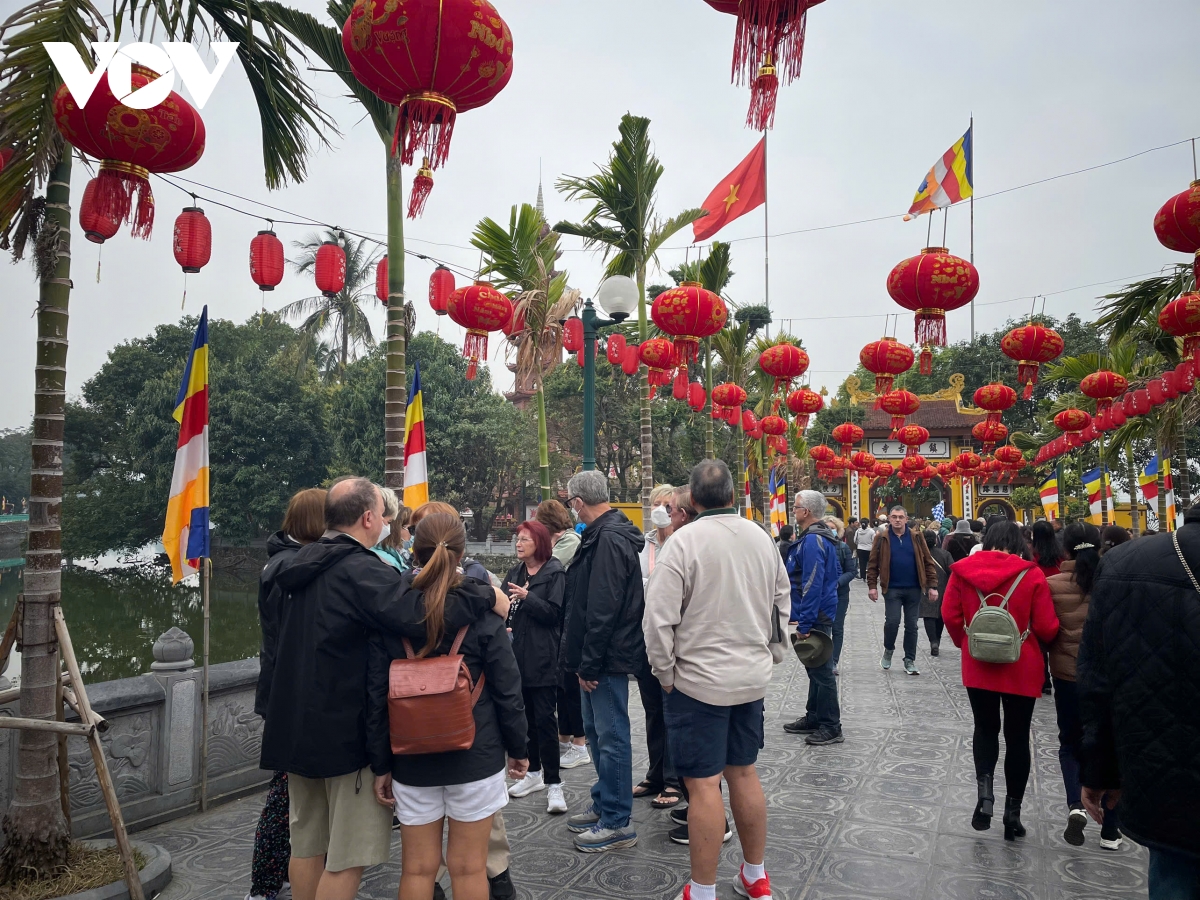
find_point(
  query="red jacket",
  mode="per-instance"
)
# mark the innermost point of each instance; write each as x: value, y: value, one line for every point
x: 993, y: 571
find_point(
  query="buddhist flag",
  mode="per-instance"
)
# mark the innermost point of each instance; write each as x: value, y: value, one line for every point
x: 185, y: 536
x: 777, y: 485
x: 1049, y: 492
x: 949, y: 181
x: 743, y: 189
x: 1149, y: 484
x: 416, y: 475
x: 1091, y: 483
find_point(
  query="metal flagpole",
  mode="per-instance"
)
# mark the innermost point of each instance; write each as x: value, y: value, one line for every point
x: 971, y: 178
x: 205, y: 580
x: 766, y: 228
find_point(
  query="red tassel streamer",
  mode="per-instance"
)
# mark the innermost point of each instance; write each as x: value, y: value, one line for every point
x: 421, y: 189
x: 926, y: 361
x: 883, y: 385
x: 931, y: 328
x: 763, y: 96
x: 425, y: 123
x: 1027, y: 373
x: 776, y: 25
x: 475, y: 348
x: 801, y: 423
x: 126, y: 197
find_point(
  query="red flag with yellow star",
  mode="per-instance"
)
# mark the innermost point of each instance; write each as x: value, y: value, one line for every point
x: 743, y: 189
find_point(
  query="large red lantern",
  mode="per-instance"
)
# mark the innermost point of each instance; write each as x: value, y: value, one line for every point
x: 727, y: 397
x: 804, y: 403
x: 946, y: 471
x: 573, y: 334
x: 629, y: 361
x: 1177, y: 224
x: 615, y: 349
x: 773, y: 425
x: 996, y: 398
x: 658, y: 355
x: 930, y: 284
x: 97, y: 227
x: 441, y: 286
x: 847, y: 434
x: 1102, y: 387
x: 433, y: 59
x: 697, y: 396
x: 989, y: 434
x: 1071, y: 422
x: 266, y: 260
x: 913, y: 465
x: 899, y: 404
x: 862, y: 461
x: 1008, y: 455
x: 912, y: 437
x: 130, y: 144
x: 749, y: 420
x: 192, y: 241
x: 1181, y: 318
x: 1031, y: 345
x: 884, y: 470
x: 330, y: 269
x: 688, y: 313
x: 821, y: 454
x: 967, y: 462
x: 783, y: 362
x: 885, y: 359
x: 480, y: 309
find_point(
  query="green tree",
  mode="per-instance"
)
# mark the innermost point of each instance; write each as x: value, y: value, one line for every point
x: 1027, y: 498
x: 14, y: 464
x: 624, y: 226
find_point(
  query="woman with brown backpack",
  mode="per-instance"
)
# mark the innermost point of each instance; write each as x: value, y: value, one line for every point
x: 441, y: 718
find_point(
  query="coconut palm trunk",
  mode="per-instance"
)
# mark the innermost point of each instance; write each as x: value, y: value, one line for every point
x: 396, y: 386
x: 1131, y: 474
x: 710, y: 449
x: 647, y: 394
x: 1180, y: 477
x: 1104, y: 480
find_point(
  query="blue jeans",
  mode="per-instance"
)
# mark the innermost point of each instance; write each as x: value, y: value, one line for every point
x: 1174, y: 875
x: 839, y: 624
x: 822, y: 707
x: 908, y: 600
x: 606, y: 724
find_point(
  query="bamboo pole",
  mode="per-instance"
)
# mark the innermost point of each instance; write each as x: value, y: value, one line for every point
x: 50, y: 725
x: 64, y: 769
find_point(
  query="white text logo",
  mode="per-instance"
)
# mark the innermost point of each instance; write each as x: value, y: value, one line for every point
x: 172, y: 57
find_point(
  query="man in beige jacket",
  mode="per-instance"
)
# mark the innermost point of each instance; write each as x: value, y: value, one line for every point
x: 716, y: 617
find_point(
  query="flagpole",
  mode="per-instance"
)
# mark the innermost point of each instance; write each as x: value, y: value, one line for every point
x: 205, y: 580
x: 766, y: 230
x: 971, y: 129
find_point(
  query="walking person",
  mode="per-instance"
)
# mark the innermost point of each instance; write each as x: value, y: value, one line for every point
x: 849, y: 571
x: 535, y: 585
x: 1137, y: 700
x: 960, y: 541
x: 1000, y: 575
x: 931, y: 607
x: 864, y: 540
x: 603, y: 645
x: 723, y: 568
x: 464, y: 786
x: 902, y: 569
x: 813, y: 572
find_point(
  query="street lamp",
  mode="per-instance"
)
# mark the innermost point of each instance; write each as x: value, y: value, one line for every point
x: 618, y: 297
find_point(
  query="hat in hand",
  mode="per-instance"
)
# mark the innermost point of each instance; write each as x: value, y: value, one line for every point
x: 813, y: 651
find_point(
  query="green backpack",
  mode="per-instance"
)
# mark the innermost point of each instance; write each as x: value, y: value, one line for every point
x: 993, y: 635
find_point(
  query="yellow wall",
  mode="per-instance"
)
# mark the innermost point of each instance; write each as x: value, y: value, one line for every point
x: 633, y: 511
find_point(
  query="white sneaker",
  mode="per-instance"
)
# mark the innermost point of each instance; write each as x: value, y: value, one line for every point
x: 556, y: 803
x: 527, y: 785
x: 1110, y: 844
x: 577, y: 756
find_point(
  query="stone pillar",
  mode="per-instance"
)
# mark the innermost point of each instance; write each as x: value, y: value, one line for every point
x: 175, y: 670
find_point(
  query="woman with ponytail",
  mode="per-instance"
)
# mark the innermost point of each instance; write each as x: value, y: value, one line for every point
x: 465, y: 786
x: 1071, y: 591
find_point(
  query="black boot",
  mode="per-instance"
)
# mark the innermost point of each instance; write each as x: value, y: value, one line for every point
x: 1012, y: 819
x: 982, y: 819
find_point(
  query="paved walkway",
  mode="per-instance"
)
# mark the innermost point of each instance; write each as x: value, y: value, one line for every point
x: 886, y: 814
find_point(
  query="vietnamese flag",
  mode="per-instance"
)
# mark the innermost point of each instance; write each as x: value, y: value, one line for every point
x: 742, y: 190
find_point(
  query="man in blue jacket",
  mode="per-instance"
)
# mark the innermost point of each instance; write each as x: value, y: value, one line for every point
x: 814, y: 570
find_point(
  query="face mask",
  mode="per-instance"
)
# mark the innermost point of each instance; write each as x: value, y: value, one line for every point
x: 660, y: 517
x: 383, y: 535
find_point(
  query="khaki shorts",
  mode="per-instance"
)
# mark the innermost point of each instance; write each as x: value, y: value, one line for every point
x: 340, y: 819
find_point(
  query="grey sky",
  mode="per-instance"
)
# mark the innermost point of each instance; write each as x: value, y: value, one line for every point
x: 886, y: 88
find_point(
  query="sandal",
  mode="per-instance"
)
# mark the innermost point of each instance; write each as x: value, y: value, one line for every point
x: 645, y: 789
x: 668, y: 799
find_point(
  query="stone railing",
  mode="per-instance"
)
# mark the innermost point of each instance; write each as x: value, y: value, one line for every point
x: 153, y: 741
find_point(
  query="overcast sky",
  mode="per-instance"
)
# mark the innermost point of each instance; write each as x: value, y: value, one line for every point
x: 886, y: 88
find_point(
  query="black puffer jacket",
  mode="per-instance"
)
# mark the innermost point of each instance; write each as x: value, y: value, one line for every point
x: 1138, y: 680
x: 281, y: 549
x: 536, y: 622
x: 604, y: 599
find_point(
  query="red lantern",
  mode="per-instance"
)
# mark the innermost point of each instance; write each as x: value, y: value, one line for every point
x: 1031, y: 345
x: 1102, y: 386
x: 967, y: 462
x: 330, y: 269
x: 97, y: 228
x: 1009, y: 455
x: 847, y: 434
x: 783, y: 362
x: 912, y: 437
x: 804, y: 403
x: 431, y: 58
x: 441, y: 286
x: 930, y: 284
x: 573, y: 334
x: 996, y: 398
x: 821, y: 454
x: 773, y: 425
x: 885, y: 359
x: 884, y: 471
x: 989, y: 434
x: 1181, y: 318
x: 266, y: 260
x: 777, y: 443
x: 689, y: 313
x: 1155, y: 388
x: 862, y: 461
x: 658, y: 355
x: 1139, y: 402
x: 697, y: 396
x: 749, y: 420
x: 480, y: 309
x: 515, y: 326
x: 913, y: 465
x: 381, y: 281
x: 1185, y: 377
x: 946, y: 471
x: 629, y: 361
x: 616, y: 348
x: 193, y: 239
x: 899, y: 404
x: 422, y: 187
x: 1072, y: 421
x: 727, y: 397
x: 130, y: 144
x: 1177, y: 224
x: 1170, y: 391
x: 679, y: 389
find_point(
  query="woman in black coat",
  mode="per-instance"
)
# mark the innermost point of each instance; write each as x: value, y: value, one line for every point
x: 536, y: 585
x: 931, y: 610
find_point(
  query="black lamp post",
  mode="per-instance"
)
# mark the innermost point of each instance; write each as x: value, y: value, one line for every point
x: 618, y: 297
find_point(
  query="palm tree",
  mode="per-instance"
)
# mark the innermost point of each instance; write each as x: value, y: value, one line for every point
x: 342, y: 314
x: 36, y: 836
x: 522, y: 259
x: 624, y: 226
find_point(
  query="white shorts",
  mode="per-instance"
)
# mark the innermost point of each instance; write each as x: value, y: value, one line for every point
x: 468, y: 802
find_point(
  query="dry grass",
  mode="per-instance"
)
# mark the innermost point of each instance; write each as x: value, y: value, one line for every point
x: 86, y: 868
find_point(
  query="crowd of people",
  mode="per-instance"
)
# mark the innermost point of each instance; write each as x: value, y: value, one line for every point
x: 404, y: 687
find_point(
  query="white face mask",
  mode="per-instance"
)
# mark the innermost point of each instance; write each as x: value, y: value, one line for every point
x: 383, y: 535
x: 660, y: 517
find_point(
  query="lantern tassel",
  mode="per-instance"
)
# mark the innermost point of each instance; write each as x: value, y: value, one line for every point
x: 422, y: 187
x: 475, y: 347
x: 926, y: 360
x: 99, y: 254
x: 125, y: 196
x: 764, y: 94
x: 883, y: 385
x: 425, y: 122
x: 931, y: 328
x: 775, y: 24
x: 1027, y: 373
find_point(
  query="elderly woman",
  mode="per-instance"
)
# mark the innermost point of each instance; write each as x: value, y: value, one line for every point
x: 395, y: 532
x: 660, y: 518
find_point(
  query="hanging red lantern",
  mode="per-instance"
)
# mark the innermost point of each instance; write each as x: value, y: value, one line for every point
x: 192, y: 240
x: 930, y: 284
x: 821, y: 454
x: 697, y: 396
x: 885, y: 359
x: 1170, y: 391
x: 996, y: 398
x: 784, y: 362
x: 989, y: 434
x: 1181, y: 318
x: 480, y: 309
x: 777, y: 443
x: 967, y: 462
x: 804, y: 403
x: 847, y: 434
x: 1177, y: 224
x: 755, y: 433
x: 266, y: 260
x: 515, y: 326
x: 749, y: 420
x: 1155, y: 388
x: 899, y: 404
x: 1185, y: 377
x: 727, y: 397
x: 629, y: 361
x: 913, y: 465
x: 658, y: 355
x: 773, y: 425
x: 862, y: 461
x: 616, y: 348
x: 433, y: 59
x: 1031, y: 345
x: 1008, y: 455
x: 381, y: 281
x: 1071, y: 422
x: 330, y: 268
x: 422, y: 187
x: 130, y: 144
x: 441, y: 286
x: 573, y: 334
x: 1102, y: 386
x: 1139, y: 402
x: 946, y: 471
x: 96, y: 226
x: 581, y: 357
x: 884, y: 470
x: 912, y: 437
x: 679, y: 389
x: 689, y: 313
x: 928, y: 473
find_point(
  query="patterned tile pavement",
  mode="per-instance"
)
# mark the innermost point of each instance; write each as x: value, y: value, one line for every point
x: 885, y: 814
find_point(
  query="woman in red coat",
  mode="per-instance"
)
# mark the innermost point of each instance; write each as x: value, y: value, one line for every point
x: 990, y: 686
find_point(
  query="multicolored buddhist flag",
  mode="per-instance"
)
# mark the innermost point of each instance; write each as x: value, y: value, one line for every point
x: 743, y: 189
x: 185, y: 537
x: 416, y: 474
x: 1091, y: 483
x: 777, y: 488
x: 1049, y: 492
x: 949, y: 181
x: 1148, y: 480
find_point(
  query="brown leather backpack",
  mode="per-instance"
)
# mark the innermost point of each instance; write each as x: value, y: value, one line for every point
x: 431, y: 702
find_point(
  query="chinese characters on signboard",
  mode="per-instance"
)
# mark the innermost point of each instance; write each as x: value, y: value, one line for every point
x: 995, y: 490
x: 884, y: 449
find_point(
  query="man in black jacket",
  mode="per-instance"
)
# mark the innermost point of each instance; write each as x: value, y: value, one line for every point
x: 1138, y: 680
x: 603, y: 644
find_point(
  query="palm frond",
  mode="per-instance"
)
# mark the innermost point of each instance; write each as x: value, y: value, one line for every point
x: 1131, y: 314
